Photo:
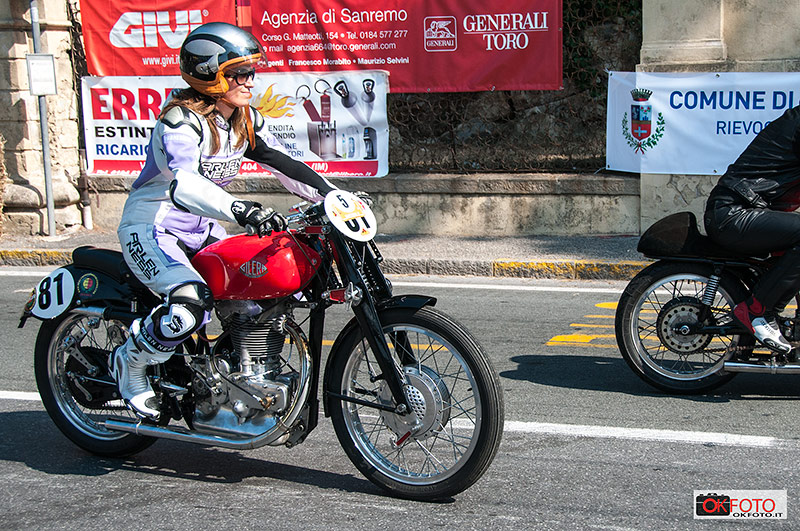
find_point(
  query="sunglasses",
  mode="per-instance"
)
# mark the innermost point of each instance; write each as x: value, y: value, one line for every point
x: 243, y: 77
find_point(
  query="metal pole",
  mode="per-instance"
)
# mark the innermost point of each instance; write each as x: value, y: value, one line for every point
x: 48, y: 180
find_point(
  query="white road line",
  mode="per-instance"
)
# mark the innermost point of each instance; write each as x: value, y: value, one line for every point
x: 19, y: 395
x: 503, y: 287
x: 597, y: 432
x: 610, y: 432
x: 405, y: 283
x: 38, y: 274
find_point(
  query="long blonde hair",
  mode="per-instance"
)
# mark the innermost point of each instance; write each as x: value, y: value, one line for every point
x: 205, y: 106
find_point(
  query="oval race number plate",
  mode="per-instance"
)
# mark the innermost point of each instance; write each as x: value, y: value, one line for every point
x: 350, y: 215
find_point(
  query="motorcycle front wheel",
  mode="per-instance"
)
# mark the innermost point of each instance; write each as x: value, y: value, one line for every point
x: 655, y: 317
x: 70, y: 362
x: 454, y: 433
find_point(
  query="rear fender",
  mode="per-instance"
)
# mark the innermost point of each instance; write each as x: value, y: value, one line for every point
x: 400, y: 301
x: 71, y: 286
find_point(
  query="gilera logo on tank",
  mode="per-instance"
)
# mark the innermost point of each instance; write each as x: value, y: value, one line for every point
x: 253, y: 269
x: 142, y: 29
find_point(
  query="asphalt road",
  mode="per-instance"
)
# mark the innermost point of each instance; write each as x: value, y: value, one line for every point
x: 587, y: 444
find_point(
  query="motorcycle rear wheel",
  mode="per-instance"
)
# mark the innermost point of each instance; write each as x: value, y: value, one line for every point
x: 654, y: 305
x: 75, y: 386
x: 451, y: 387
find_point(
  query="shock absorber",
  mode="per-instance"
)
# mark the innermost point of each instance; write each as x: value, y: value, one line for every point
x: 711, y: 290
x: 709, y: 294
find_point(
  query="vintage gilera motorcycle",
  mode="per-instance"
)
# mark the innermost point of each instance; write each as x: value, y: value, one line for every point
x: 673, y: 321
x: 414, y: 401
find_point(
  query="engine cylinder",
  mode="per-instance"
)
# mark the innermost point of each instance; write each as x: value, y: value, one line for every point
x: 259, y: 345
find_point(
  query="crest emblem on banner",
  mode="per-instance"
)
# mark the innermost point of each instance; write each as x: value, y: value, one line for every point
x: 640, y: 134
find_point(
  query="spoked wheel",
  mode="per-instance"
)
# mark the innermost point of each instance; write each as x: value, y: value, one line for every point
x: 658, y: 327
x: 77, y: 391
x: 453, y: 435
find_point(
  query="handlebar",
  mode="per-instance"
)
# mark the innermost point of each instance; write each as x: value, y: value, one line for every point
x: 299, y: 216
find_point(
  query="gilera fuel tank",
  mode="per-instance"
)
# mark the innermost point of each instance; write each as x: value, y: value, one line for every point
x: 248, y: 267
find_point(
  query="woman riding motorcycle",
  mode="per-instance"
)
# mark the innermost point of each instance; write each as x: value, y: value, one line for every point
x: 196, y: 149
x: 752, y: 209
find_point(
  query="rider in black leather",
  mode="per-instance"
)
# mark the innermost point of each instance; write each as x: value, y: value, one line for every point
x: 751, y: 209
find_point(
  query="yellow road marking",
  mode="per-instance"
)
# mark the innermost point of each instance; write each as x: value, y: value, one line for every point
x: 565, y: 344
x: 609, y: 305
x: 578, y: 338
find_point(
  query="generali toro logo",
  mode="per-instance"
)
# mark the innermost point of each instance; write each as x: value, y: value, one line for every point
x: 440, y: 34
x: 142, y: 29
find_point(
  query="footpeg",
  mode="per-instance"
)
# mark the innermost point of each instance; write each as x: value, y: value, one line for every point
x: 172, y: 390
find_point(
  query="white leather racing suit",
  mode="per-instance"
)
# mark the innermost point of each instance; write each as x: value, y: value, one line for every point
x: 174, y: 206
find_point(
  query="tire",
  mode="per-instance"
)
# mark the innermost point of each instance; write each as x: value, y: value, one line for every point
x: 451, y: 386
x: 70, y: 362
x: 661, y: 297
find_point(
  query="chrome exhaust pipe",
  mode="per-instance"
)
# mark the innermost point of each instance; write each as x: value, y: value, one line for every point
x: 182, y: 434
x: 734, y: 366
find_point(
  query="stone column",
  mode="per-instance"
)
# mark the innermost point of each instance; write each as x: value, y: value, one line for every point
x: 710, y: 36
x: 24, y: 202
x: 679, y: 36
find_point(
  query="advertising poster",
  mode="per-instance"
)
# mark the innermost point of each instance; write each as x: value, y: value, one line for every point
x: 125, y: 37
x: 334, y: 122
x: 441, y: 46
x: 693, y: 123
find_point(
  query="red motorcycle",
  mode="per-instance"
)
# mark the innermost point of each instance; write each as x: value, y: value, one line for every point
x: 413, y: 398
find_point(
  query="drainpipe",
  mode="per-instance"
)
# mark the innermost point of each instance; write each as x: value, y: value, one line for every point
x: 86, y: 200
x: 48, y: 179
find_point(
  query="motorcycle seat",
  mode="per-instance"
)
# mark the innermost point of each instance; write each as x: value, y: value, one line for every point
x: 677, y: 236
x: 106, y: 261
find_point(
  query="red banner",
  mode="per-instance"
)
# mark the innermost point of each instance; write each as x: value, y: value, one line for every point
x: 427, y: 46
x: 130, y: 37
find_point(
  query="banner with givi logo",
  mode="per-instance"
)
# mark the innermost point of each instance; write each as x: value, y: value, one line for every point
x: 126, y: 37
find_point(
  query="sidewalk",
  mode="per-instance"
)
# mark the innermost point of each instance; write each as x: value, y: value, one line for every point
x: 557, y: 257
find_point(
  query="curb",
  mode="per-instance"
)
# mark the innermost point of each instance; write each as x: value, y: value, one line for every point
x: 554, y: 269
x: 35, y: 258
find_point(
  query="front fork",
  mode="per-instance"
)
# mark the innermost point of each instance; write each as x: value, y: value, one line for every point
x: 367, y: 317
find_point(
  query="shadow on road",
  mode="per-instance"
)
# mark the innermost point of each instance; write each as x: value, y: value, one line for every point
x: 30, y: 437
x: 614, y: 376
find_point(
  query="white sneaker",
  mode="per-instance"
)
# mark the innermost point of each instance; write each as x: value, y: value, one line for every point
x: 769, y: 335
x: 130, y: 372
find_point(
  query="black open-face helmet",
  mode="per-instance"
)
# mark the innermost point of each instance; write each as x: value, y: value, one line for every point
x: 213, y: 50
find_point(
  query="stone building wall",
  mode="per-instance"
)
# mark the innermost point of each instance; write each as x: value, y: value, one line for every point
x: 24, y: 198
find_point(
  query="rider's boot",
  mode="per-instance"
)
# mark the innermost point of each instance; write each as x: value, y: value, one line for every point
x: 763, y: 326
x: 128, y: 365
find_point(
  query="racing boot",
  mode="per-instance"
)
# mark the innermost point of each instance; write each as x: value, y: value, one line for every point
x: 128, y: 365
x: 751, y: 315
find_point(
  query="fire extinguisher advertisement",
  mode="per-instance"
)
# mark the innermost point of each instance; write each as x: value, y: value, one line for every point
x: 427, y: 46
x: 127, y: 37
x: 335, y: 122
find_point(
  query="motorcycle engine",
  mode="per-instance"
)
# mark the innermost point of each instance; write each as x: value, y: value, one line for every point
x: 246, y: 382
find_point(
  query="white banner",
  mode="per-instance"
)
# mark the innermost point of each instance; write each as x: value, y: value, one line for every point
x: 693, y: 124
x: 335, y: 122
